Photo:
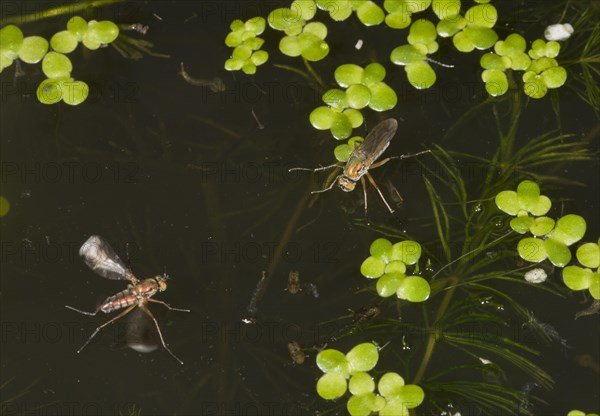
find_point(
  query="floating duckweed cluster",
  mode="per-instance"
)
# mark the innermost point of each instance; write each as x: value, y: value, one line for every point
x: 388, y: 264
x: 364, y: 87
x: 350, y: 373
x: 59, y: 85
x: 551, y: 239
x: 246, y: 43
x: 580, y: 413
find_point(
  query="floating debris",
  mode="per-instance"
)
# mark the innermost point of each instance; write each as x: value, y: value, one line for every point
x: 312, y: 288
x: 216, y: 84
x: 537, y: 275
x: 252, y: 306
x: 594, y: 308
x: 559, y: 31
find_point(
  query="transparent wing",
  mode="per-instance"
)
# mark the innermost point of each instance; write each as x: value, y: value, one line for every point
x: 101, y: 258
x: 376, y: 142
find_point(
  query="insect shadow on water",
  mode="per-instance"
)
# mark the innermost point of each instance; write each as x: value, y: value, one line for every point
x: 102, y: 259
x: 362, y: 159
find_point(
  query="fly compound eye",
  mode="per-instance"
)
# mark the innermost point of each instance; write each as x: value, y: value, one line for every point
x: 162, y: 286
x: 346, y: 185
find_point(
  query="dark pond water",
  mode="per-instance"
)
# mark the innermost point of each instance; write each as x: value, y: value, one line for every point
x: 185, y: 181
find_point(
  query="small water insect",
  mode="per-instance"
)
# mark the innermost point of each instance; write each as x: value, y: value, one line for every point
x: 296, y: 352
x: 293, y: 286
x: 364, y: 314
x: 102, y: 259
x: 363, y: 158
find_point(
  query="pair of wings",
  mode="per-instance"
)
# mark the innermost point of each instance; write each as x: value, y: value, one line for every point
x: 102, y: 259
x: 376, y: 142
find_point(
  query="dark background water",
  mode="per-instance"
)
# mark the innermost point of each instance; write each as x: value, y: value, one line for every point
x: 183, y: 180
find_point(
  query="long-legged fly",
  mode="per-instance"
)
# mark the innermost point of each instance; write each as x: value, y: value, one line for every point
x: 363, y: 158
x: 102, y: 259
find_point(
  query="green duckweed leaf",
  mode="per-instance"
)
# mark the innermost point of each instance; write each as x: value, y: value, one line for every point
x: 358, y: 96
x: 406, y: 54
x: 380, y: 248
x: 33, y: 49
x: 322, y: 118
x: 64, y: 42
x: 482, y: 15
x: 362, y: 404
x: 331, y: 386
x: 373, y: 74
x: 361, y: 383
x: 395, y: 266
x: 577, y: 278
x: 446, y: 9
x: 532, y: 249
x: 388, y: 284
x: 50, y: 91
x: 56, y: 65
x: 11, y: 40
x: 450, y: 26
x: 420, y: 74
x: 521, y: 223
x: 496, y: 83
x: 554, y: 77
x: 370, y: 14
x: 75, y: 92
x: 78, y: 27
x: 390, y: 385
x: 569, y: 229
x: 533, y: 85
x: 348, y: 74
x: 542, y: 226
x: 363, y: 357
x: 558, y: 253
x: 589, y: 255
x: 335, y: 98
x: 383, y: 97
x: 333, y: 361
x: 414, y: 289
x: 373, y: 267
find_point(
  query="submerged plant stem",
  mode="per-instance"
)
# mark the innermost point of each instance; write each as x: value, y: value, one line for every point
x: 433, y: 335
x: 56, y: 11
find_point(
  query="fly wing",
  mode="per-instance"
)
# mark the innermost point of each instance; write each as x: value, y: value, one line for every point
x: 101, y: 258
x: 376, y: 141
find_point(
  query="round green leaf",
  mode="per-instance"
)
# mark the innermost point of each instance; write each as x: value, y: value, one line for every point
x: 388, y: 284
x: 462, y: 42
x: 380, y: 248
x: 412, y: 395
x: 569, y: 229
x: 482, y: 15
x: 420, y: 75
x: 542, y: 64
x: 361, y: 383
x: 558, y: 253
x: 361, y: 405
x: 333, y: 361
x: 577, y: 278
x: 520, y: 62
x: 363, y: 357
x: 407, y: 251
x: 521, y: 223
x: 370, y: 14
x: 233, y: 64
x: 11, y: 40
x: 508, y: 202
x: 492, y: 61
x: 290, y: 46
x: 233, y: 39
x: 5, y: 61
x: 249, y: 68
x: 49, y: 91
x: 306, y: 9
x: 237, y: 26
x: 242, y: 53
x: 496, y: 83
x: 589, y: 255
x: 421, y: 31
x: 254, y: 43
x: 322, y: 118
x: 397, y: 20
x: 74, y: 92
x: 354, y: 116
x: 331, y: 386
x: 513, y: 45
x: 313, y: 48
x: 406, y: 54
x: 316, y: 28
x: 373, y: 73
x: 446, y: 9
x: 342, y: 152
x: 104, y: 32
x: 395, y: 407
x: 552, y: 49
x: 541, y: 206
x: 383, y: 98
x: 554, y: 77
x: 284, y: 18
x: 450, y: 26
x: 528, y: 193
x: 335, y: 98
x: 33, y: 49
x: 481, y: 37
x: 77, y: 26
x: 534, y: 86
x: 358, y: 96
x: 390, y: 385
x: 56, y: 65
x: 341, y: 128
x: 395, y: 266
x: 372, y: 267
x: 259, y: 57
x: 414, y: 289
x: 532, y: 249
x: 542, y: 226
x: 256, y: 24
x: 63, y: 42
x: 348, y: 74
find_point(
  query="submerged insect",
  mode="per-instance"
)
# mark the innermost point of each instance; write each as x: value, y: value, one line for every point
x: 294, y: 283
x: 296, y: 352
x: 363, y: 158
x: 102, y: 259
x: 364, y: 314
